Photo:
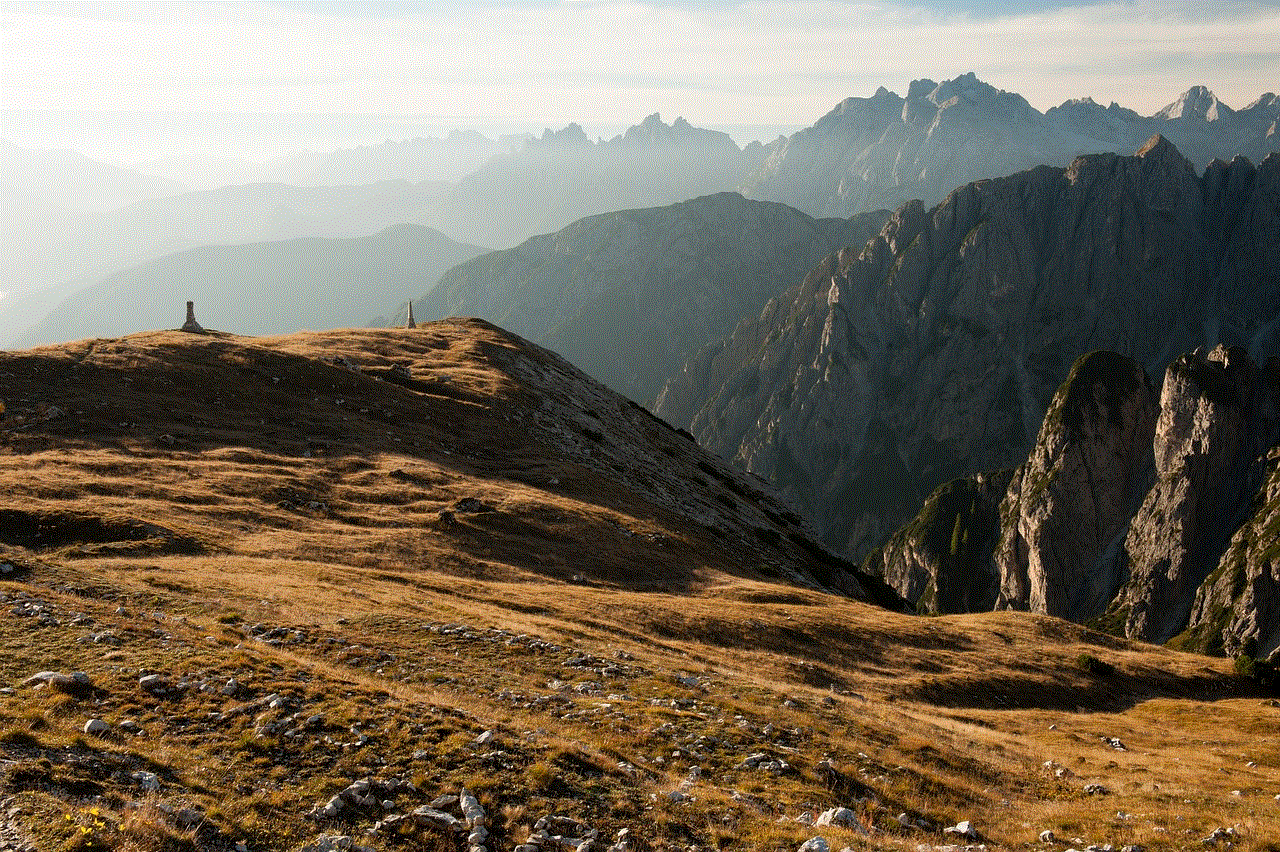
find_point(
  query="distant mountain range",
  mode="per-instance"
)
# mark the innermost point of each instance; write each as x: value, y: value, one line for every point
x: 884, y: 150
x: 866, y: 154
x: 630, y: 296
x: 933, y: 352
x: 259, y: 288
x: 70, y: 182
x: 563, y: 176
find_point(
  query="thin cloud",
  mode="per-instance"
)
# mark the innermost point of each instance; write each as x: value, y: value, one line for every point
x: 769, y: 62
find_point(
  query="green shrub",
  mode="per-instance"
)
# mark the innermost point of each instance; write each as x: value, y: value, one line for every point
x: 1091, y: 664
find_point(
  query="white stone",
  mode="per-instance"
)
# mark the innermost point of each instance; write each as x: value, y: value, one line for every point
x: 96, y: 727
x: 836, y: 816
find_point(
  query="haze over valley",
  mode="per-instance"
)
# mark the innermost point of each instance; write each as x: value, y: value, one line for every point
x: 627, y: 426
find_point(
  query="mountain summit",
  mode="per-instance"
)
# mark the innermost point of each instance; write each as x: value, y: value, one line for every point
x: 881, y: 151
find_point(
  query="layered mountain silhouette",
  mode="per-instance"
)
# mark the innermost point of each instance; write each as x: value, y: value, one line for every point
x: 884, y: 150
x: 259, y: 288
x: 630, y: 296
x: 866, y: 154
x: 933, y: 352
x: 68, y: 181
x: 563, y: 176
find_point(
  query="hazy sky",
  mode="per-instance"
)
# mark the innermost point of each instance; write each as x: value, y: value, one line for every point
x: 371, y: 69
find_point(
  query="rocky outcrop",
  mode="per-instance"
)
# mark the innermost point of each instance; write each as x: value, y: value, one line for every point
x: 1219, y: 418
x: 1237, y: 609
x: 1069, y: 505
x: 941, y: 561
x: 630, y: 296
x: 1155, y: 519
x: 883, y: 150
x: 934, y: 351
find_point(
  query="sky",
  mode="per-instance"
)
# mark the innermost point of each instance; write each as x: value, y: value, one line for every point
x: 132, y: 80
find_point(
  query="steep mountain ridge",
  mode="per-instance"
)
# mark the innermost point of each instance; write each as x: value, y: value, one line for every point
x: 934, y: 352
x: 1070, y: 502
x: 884, y: 150
x: 630, y: 296
x: 1219, y: 420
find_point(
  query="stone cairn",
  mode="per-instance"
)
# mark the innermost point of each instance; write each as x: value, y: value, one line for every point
x: 191, y: 325
x: 411, y: 323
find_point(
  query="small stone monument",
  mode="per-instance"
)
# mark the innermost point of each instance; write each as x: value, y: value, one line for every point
x: 411, y: 324
x: 191, y: 325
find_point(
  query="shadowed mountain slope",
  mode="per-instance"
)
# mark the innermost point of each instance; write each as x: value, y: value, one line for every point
x: 630, y: 296
x: 933, y: 352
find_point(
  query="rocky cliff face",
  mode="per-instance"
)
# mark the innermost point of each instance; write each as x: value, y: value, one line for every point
x: 934, y: 351
x: 941, y: 562
x: 1237, y: 609
x: 1218, y: 420
x: 1084, y: 533
x: 630, y: 296
x: 1069, y: 505
x: 883, y: 150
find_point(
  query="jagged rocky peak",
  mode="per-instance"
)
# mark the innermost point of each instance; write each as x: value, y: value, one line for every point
x: 1068, y: 506
x: 1196, y: 103
x: 653, y: 131
x: 1219, y: 419
x: 571, y: 135
x: 966, y: 87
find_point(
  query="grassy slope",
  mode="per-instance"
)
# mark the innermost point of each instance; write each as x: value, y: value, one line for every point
x: 325, y: 520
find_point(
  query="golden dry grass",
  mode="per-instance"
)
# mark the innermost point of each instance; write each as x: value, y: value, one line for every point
x: 183, y: 480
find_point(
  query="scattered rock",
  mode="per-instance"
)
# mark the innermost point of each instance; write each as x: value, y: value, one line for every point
x: 148, y: 781
x: 334, y: 843
x: 842, y: 817
x: 814, y: 844
x: 96, y: 727
x: 1219, y: 835
x: 154, y: 683
x: 963, y: 829
x: 76, y: 683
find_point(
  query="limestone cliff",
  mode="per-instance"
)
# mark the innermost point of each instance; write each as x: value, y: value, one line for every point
x: 1237, y: 609
x: 1069, y: 505
x: 1218, y: 421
